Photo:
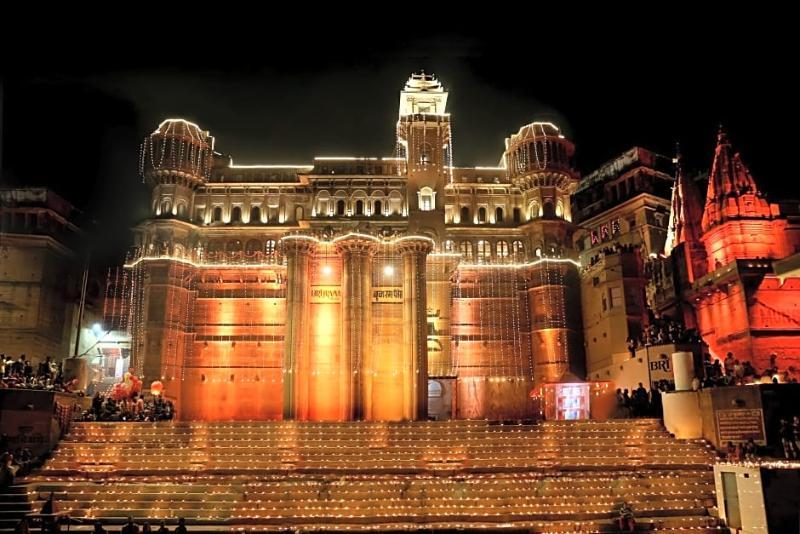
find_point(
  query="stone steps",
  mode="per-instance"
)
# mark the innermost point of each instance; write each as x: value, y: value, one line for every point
x: 553, y: 477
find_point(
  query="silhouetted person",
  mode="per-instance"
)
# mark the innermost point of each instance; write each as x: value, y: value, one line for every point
x: 162, y: 529
x: 130, y: 527
x: 181, y: 528
x: 750, y: 450
x: 48, y: 509
x: 7, y: 470
x: 98, y: 528
x: 787, y: 440
x: 626, y: 402
x: 22, y: 527
x: 731, y: 452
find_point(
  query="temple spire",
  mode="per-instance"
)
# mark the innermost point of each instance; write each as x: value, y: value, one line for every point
x: 732, y: 192
x: 685, y: 211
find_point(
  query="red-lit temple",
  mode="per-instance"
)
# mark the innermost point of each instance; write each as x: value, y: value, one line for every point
x: 735, y: 264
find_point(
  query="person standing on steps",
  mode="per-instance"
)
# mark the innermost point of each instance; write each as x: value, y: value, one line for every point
x: 130, y: 527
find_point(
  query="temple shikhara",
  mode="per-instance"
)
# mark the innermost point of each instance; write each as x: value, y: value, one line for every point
x: 405, y: 287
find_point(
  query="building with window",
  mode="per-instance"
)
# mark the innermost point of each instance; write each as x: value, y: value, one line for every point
x: 352, y: 287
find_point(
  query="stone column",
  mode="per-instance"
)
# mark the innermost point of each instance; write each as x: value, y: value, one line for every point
x: 440, y: 269
x: 414, y: 252
x: 554, y: 337
x: 298, y: 252
x: 356, y: 253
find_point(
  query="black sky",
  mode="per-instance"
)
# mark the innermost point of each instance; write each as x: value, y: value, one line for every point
x: 73, y: 119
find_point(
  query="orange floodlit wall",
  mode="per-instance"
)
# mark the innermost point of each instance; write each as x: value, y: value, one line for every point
x: 491, y: 345
x: 233, y: 368
x: 389, y: 379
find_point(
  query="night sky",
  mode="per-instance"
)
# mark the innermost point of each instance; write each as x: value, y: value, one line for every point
x: 73, y: 119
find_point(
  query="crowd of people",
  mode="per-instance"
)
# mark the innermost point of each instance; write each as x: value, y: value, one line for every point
x: 18, y: 462
x: 131, y: 527
x: 51, y: 521
x: 790, y: 437
x: 607, y: 251
x: 748, y: 451
x: 789, y: 432
x: 662, y: 331
x: 134, y: 408
x: 641, y: 402
x: 21, y: 374
x: 732, y: 372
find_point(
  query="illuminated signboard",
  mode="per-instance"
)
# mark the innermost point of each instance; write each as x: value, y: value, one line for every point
x: 326, y: 294
x: 387, y: 294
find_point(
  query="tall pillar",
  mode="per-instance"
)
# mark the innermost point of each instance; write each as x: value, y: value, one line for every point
x: 440, y: 269
x: 356, y: 253
x: 414, y: 252
x: 556, y: 345
x: 298, y: 252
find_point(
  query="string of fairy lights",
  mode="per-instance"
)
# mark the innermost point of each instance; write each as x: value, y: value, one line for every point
x: 176, y: 144
x: 502, y: 315
x: 503, y: 318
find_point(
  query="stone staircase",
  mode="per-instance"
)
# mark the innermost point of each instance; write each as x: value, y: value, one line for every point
x: 459, y: 475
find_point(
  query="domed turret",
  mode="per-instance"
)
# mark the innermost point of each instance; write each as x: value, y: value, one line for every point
x: 174, y: 161
x: 536, y: 147
x: 178, y: 151
x: 538, y: 159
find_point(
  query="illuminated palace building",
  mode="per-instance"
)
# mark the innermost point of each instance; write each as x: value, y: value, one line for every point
x: 378, y: 288
x: 400, y: 287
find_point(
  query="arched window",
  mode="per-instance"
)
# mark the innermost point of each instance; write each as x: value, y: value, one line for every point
x: 359, y: 207
x: 425, y: 154
x: 166, y: 207
x: 434, y: 389
x: 269, y: 247
x: 517, y: 249
x: 181, y: 210
x: 548, y: 210
x: 378, y: 208
x: 298, y: 213
x: 323, y: 204
x: 481, y: 215
x: 340, y: 207
x: 216, y: 215
x: 559, y: 208
x: 517, y: 215
x: 498, y: 215
x: 395, y: 203
x: 464, y: 214
x: 533, y: 210
x: 427, y: 199
x: 255, y: 215
x: 252, y: 246
x: 501, y: 249
x: 466, y: 249
x: 484, y: 251
x: 448, y: 246
x: 236, y: 214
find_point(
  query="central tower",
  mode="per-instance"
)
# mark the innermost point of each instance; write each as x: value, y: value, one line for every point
x: 424, y: 145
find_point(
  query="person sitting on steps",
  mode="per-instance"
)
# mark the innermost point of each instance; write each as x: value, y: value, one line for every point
x: 625, y: 521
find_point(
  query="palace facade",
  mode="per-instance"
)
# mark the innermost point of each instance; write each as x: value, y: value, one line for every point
x: 392, y: 287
